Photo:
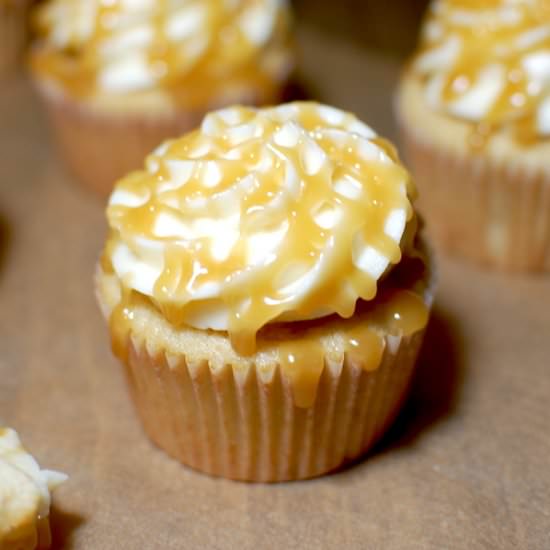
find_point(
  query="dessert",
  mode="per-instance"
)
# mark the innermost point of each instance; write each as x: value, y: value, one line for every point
x: 13, y: 33
x: 267, y: 290
x: 119, y: 77
x: 474, y: 107
x: 24, y: 496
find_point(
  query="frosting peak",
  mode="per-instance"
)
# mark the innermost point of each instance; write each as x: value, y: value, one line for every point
x: 185, y: 46
x: 24, y: 495
x: 286, y: 213
x: 488, y: 62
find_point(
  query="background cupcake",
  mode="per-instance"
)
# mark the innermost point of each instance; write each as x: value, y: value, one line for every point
x: 266, y: 291
x: 474, y: 107
x: 25, y: 496
x: 120, y: 77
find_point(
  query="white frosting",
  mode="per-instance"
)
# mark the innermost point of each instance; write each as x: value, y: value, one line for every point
x: 449, y: 38
x: 24, y: 487
x: 197, y: 206
x: 121, y: 52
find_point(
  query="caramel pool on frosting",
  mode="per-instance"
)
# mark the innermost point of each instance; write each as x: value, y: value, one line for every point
x: 488, y: 62
x: 281, y: 214
x: 187, y: 47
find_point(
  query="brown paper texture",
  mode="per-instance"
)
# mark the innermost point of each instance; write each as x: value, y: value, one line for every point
x: 465, y: 466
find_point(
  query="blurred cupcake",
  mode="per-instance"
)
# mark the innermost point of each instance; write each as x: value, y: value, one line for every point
x: 474, y: 108
x: 267, y: 291
x: 13, y: 33
x: 119, y: 77
x: 24, y: 496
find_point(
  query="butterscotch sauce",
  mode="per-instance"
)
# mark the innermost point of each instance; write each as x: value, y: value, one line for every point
x: 365, y: 347
x: 495, y: 36
x: 212, y: 47
x: 401, y: 312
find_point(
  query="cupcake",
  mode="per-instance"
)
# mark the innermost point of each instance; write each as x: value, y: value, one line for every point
x: 474, y: 109
x: 24, y: 496
x: 120, y: 77
x: 13, y: 33
x: 267, y: 291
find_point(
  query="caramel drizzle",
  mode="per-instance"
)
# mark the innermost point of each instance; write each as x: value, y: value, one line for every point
x: 495, y: 42
x: 400, y: 313
x: 228, y: 55
x: 253, y: 294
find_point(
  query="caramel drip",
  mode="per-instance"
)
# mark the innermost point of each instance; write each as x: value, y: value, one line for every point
x: 495, y: 42
x: 402, y: 313
x: 285, y: 194
x: 399, y: 313
x: 120, y: 323
x: 365, y: 347
x: 190, y: 68
x: 475, y: 4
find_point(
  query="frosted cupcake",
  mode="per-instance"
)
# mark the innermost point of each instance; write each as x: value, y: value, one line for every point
x: 24, y: 496
x: 13, y: 33
x: 267, y: 291
x: 119, y: 77
x: 474, y: 107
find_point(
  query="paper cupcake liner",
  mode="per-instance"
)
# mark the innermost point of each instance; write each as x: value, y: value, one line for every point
x: 241, y: 426
x: 99, y: 148
x: 13, y: 33
x: 494, y: 214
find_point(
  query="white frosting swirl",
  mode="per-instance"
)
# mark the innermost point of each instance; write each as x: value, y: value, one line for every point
x: 24, y: 487
x: 488, y: 61
x: 135, y: 45
x: 291, y: 212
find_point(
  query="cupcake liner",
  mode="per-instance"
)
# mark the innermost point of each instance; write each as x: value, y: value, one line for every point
x: 497, y: 214
x: 99, y: 148
x: 246, y: 426
x: 13, y: 33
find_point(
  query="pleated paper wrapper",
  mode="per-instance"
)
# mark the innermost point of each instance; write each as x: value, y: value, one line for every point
x: 494, y: 213
x: 99, y: 147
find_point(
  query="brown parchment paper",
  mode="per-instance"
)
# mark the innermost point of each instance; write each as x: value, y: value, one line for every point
x: 467, y: 465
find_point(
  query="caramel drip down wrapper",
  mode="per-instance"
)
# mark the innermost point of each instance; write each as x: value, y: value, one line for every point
x: 251, y: 430
x: 245, y: 424
x: 13, y: 34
